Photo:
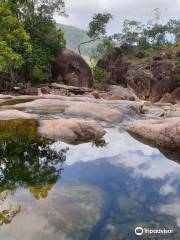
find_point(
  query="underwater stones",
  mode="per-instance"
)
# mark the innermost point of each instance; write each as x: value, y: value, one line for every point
x: 71, y: 130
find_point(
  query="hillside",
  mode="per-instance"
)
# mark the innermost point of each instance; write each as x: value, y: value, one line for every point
x: 74, y: 36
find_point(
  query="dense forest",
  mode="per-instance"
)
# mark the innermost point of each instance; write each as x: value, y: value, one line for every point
x: 30, y: 37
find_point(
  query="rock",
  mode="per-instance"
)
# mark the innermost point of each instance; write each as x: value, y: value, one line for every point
x: 81, y: 107
x: 140, y: 79
x: 73, y: 69
x: 120, y: 93
x: 178, y: 54
x: 163, y: 133
x: 160, y: 56
x: 45, y: 90
x: 30, y: 91
x: 15, y: 114
x: 71, y: 130
x: 115, y: 66
x: 173, y: 97
x: 166, y: 98
x: 140, y: 55
x: 152, y: 82
x: 94, y: 111
x: 71, y: 89
x: 2, y: 96
x: 165, y: 78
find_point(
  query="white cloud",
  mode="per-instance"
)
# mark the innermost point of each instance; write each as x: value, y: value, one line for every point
x: 81, y: 11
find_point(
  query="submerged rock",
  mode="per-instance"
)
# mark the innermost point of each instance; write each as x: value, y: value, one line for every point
x: 163, y: 133
x: 71, y: 130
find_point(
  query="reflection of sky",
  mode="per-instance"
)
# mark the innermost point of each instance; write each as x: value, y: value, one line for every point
x: 124, y: 167
x: 123, y: 149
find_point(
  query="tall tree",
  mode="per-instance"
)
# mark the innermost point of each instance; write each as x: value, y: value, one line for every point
x: 97, y: 28
x: 14, y: 41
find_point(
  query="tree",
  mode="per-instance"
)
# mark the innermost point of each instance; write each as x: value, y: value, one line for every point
x: 174, y: 28
x: 36, y: 18
x: 97, y: 28
x: 104, y: 48
x: 14, y: 41
x: 131, y: 33
x: 156, y: 35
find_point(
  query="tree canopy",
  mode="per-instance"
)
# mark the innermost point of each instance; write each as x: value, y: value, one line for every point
x: 29, y: 38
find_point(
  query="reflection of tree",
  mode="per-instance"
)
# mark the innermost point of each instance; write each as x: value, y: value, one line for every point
x: 100, y: 143
x: 7, y: 210
x: 28, y: 161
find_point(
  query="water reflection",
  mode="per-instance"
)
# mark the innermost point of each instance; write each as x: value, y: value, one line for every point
x: 107, y: 189
x: 26, y: 161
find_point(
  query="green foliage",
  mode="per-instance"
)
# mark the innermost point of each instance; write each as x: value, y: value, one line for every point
x: 97, y: 27
x: 104, y: 48
x: 29, y: 37
x: 100, y: 75
x: 14, y: 40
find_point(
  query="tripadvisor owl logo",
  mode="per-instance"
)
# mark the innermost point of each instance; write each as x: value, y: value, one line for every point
x: 139, y: 231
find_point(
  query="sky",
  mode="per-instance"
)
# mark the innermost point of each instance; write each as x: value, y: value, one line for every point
x: 81, y: 11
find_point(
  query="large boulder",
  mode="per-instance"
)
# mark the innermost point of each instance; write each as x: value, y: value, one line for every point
x: 71, y: 130
x: 173, y: 97
x: 120, y: 93
x: 140, y: 79
x: 151, y: 82
x: 164, y: 133
x: 165, y: 75
x: 72, y: 69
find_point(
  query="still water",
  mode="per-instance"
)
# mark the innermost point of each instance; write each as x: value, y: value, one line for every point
x: 92, y: 191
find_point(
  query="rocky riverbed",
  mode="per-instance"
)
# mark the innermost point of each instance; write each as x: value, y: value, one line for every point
x: 78, y: 118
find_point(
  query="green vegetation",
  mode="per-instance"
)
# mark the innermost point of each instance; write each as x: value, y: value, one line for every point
x: 29, y: 39
x: 100, y: 75
x: 97, y: 28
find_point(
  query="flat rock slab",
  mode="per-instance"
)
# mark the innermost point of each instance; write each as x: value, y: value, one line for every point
x: 99, y: 110
x: 15, y: 114
x: 163, y: 133
x: 71, y: 130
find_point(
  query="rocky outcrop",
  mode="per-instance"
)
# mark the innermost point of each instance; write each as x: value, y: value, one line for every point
x: 164, y: 133
x: 71, y: 130
x: 72, y: 69
x: 173, y: 97
x: 150, y: 80
x: 140, y: 79
x: 115, y: 66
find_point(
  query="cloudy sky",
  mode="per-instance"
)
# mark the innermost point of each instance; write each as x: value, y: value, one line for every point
x: 81, y: 11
